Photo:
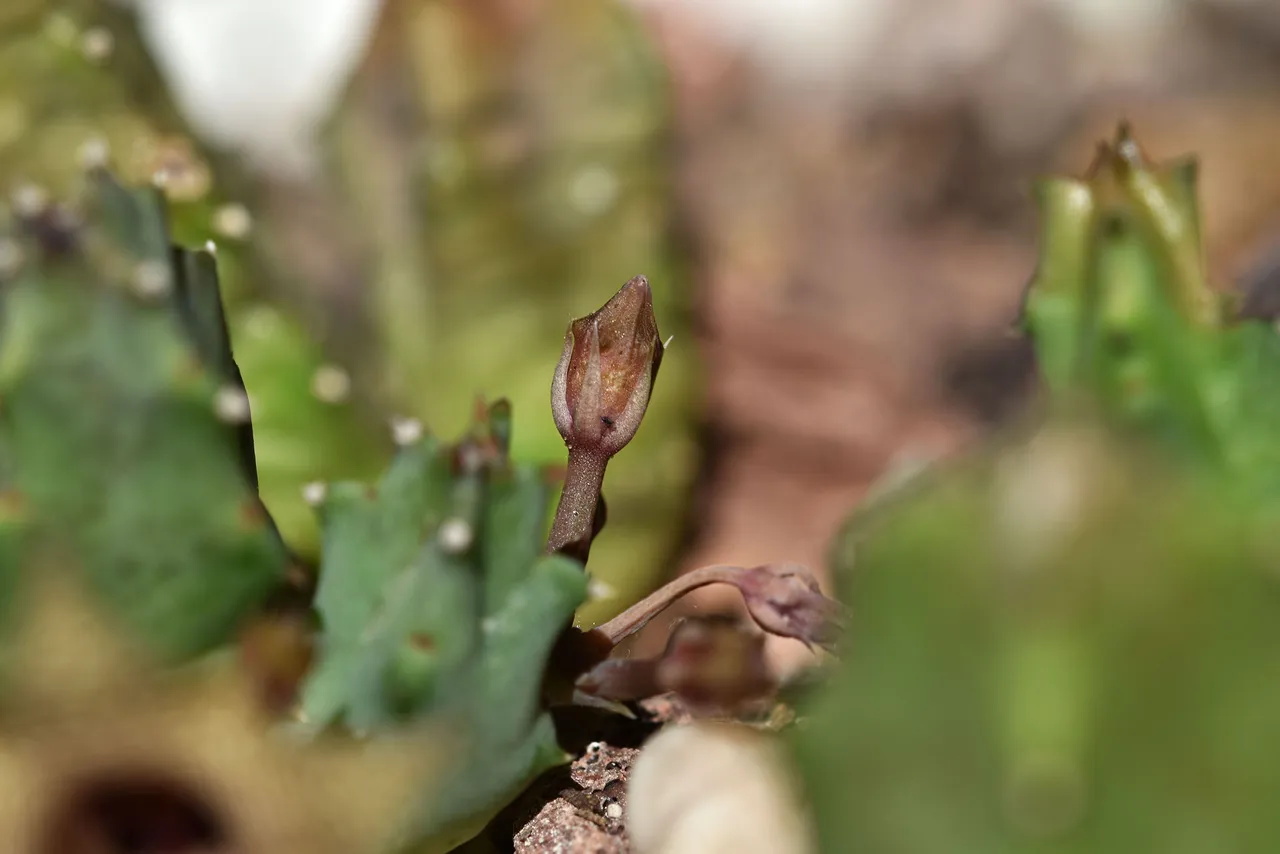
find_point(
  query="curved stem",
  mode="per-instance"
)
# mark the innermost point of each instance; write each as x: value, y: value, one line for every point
x: 638, y: 615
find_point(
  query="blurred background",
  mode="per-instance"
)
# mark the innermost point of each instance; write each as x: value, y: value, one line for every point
x: 412, y: 198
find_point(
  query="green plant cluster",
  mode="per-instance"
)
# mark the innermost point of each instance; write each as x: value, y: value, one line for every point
x: 127, y: 462
x: 1063, y: 640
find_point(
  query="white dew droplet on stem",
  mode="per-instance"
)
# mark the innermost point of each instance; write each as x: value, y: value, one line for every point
x: 331, y: 384
x: 314, y: 493
x: 455, y: 535
x: 406, y: 431
x: 231, y: 405
x: 211, y: 247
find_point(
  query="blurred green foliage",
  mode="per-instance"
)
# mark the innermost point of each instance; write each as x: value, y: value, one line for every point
x: 124, y: 438
x: 1061, y: 642
x: 77, y: 86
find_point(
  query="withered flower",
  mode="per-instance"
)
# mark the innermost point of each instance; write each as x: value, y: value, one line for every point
x: 101, y: 753
x: 599, y: 394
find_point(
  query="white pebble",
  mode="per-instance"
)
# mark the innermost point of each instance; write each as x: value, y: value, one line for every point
x: 715, y: 788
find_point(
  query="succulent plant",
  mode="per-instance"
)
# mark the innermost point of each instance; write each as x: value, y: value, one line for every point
x: 1124, y: 319
x: 1060, y: 641
x: 125, y: 436
x: 442, y: 595
x: 78, y: 88
x: 128, y: 469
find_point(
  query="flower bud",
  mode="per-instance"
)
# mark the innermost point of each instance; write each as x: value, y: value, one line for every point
x: 602, y: 383
x: 784, y: 599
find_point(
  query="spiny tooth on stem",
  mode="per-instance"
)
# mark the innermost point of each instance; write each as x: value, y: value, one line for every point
x: 405, y: 431
x: 231, y: 404
x: 314, y: 493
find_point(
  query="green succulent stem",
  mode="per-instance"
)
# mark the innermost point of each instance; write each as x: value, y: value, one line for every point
x: 575, y: 523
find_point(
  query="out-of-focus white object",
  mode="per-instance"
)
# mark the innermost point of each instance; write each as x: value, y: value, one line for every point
x: 257, y: 75
x: 715, y: 788
x: 898, y: 47
x: 806, y: 41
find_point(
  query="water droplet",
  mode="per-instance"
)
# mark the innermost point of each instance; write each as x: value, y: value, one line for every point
x: 152, y: 279
x: 97, y: 44
x: 211, y: 247
x: 232, y: 221
x: 598, y: 591
x: 30, y: 200
x: 331, y: 384
x: 260, y: 322
x: 94, y: 153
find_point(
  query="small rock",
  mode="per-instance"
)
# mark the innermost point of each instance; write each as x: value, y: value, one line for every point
x: 715, y: 788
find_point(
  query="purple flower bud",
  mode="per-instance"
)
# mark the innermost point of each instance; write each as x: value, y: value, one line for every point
x: 602, y: 383
x: 785, y: 599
